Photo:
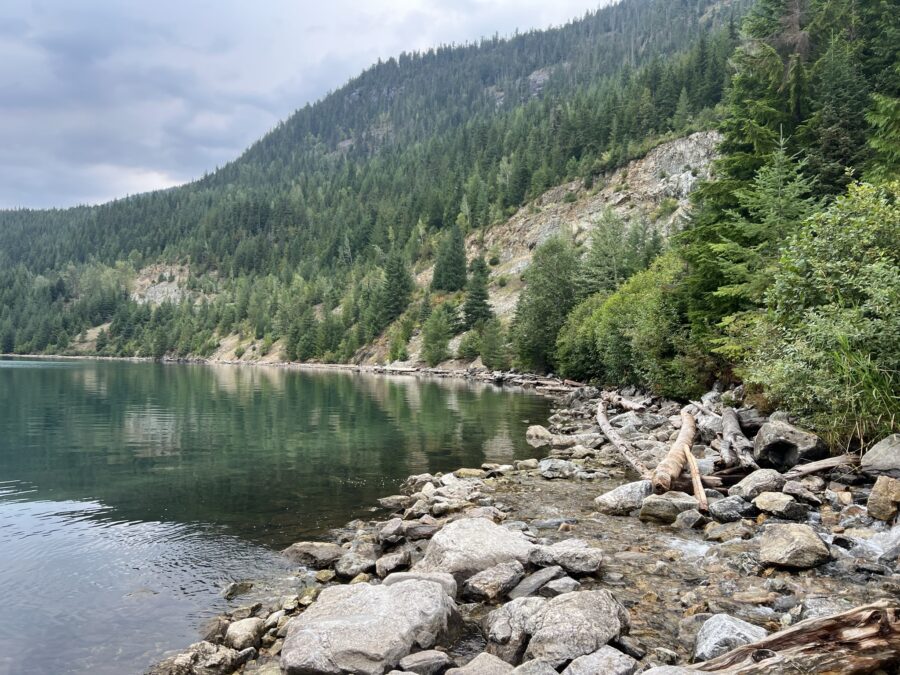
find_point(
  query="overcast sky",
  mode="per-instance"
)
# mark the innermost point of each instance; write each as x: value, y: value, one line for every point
x: 104, y: 98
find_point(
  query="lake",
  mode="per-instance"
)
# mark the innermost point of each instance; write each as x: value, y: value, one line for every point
x: 131, y: 493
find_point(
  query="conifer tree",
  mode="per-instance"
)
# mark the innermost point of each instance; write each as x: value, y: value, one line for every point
x: 398, y: 286
x: 436, y: 335
x: 476, y: 308
x: 450, y: 266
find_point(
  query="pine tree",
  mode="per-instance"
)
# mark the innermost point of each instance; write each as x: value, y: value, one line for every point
x: 450, y: 266
x: 494, y: 350
x: 682, y: 116
x: 476, y: 308
x: 436, y: 335
x: 398, y: 286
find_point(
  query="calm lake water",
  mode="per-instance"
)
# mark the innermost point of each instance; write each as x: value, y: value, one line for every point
x: 131, y: 493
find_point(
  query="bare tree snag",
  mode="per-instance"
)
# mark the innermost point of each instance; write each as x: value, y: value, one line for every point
x: 823, y: 464
x: 673, y: 463
x: 613, y: 436
x: 737, y: 449
x: 861, y: 640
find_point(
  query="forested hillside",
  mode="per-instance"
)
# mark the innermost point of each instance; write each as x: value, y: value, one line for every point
x: 785, y: 276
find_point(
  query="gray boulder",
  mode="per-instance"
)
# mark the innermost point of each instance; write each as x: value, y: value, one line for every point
x: 781, y: 445
x: 781, y: 505
x: 360, y: 558
x: 391, y: 563
x: 427, y: 662
x: 792, y: 545
x: 576, y: 624
x: 606, y: 660
x: 761, y: 480
x: 494, y: 582
x: 315, y: 554
x: 468, y: 546
x: 201, y: 657
x: 509, y: 627
x: 624, y: 499
x: 534, y: 667
x: 665, y: 508
x: 883, y: 458
x: 575, y: 556
x: 721, y: 633
x: 690, y: 520
x: 244, y: 633
x: 638, y: 420
x: 557, y: 468
x: 483, y: 664
x: 535, y: 581
x: 559, y: 586
x: 367, y: 629
x: 391, y: 532
x: 731, y: 509
x: 446, y: 581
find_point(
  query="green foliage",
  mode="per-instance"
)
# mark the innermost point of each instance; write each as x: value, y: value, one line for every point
x: 826, y: 345
x: 436, y: 334
x: 494, y: 346
x: 398, y: 286
x: 476, y: 308
x: 450, y: 266
x: 470, y: 346
x: 576, y: 345
x: 885, y: 141
x: 550, y: 292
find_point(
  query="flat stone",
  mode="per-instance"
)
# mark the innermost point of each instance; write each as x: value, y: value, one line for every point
x: 315, y: 554
x: 483, y: 664
x: 691, y: 520
x: 731, y: 509
x: 665, y: 508
x: 797, y: 490
x: 761, y: 480
x: 446, y: 581
x: 428, y: 662
x: 605, y: 661
x: 559, y: 586
x: 557, y: 468
x: 535, y: 581
x: 415, y: 530
x: 727, y: 531
x: 624, y: 499
x: 575, y: 556
x: 367, y: 629
x: 883, y: 458
x: 781, y: 505
x: 534, y: 667
x: 244, y: 633
x: 884, y: 498
x: 493, y: 583
x: 781, y: 446
x: 470, y: 473
x: 468, y: 546
x: 391, y: 563
x: 793, y: 545
x: 721, y: 633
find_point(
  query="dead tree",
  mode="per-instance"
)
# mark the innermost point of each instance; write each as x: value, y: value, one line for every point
x: 673, y: 463
x: 613, y: 436
x: 736, y: 449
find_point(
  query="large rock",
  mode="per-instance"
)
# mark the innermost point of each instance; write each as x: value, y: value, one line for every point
x: 665, y: 508
x: 731, y: 509
x: 360, y: 558
x: 391, y: 562
x: 493, y: 583
x: 536, y: 436
x: 605, y: 660
x: 781, y: 505
x: 315, y: 554
x: 638, y: 420
x: 244, y: 633
x: 576, y: 624
x: 557, y: 468
x: 624, y: 499
x: 509, y: 627
x: 781, y: 445
x: 427, y: 662
x: 721, y: 633
x: 575, y: 556
x: 367, y: 629
x: 466, y: 547
x: 201, y: 657
x: 534, y: 667
x: 754, y: 484
x: 483, y: 664
x: 446, y: 581
x: 535, y: 581
x: 796, y: 546
x: 884, y: 498
x: 883, y: 458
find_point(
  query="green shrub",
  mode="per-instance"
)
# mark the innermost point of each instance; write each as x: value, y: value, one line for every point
x: 494, y: 346
x: 827, y: 345
x: 436, y: 334
x: 469, y: 346
x: 576, y: 344
x: 239, y: 352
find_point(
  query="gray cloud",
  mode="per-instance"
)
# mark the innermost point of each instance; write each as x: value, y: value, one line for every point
x: 99, y: 99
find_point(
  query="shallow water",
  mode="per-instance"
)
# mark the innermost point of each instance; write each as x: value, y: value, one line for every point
x: 130, y: 493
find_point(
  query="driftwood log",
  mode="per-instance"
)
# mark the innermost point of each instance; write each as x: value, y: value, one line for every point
x: 696, y: 481
x: 861, y: 640
x: 736, y: 449
x: 618, y: 401
x: 823, y: 464
x: 673, y: 463
x: 613, y: 436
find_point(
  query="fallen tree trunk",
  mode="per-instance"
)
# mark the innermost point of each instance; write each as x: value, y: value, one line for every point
x: 674, y: 461
x: 686, y: 483
x: 814, y: 467
x: 861, y: 640
x: 699, y: 492
x: 619, y: 402
x: 737, y: 449
x: 613, y: 436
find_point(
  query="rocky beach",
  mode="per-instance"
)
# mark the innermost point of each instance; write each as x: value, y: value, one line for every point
x: 570, y: 563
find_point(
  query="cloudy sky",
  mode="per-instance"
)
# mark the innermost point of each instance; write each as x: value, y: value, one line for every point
x: 104, y: 98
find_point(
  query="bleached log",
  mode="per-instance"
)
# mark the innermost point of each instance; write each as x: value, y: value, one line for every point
x: 822, y: 465
x: 613, y: 436
x: 673, y: 463
x: 737, y: 449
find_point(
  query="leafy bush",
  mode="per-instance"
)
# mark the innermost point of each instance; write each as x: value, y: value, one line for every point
x: 436, y: 334
x: 576, y: 344
x: 494, y: 346
x: 470, y: 346
x: 827, y: 345
x: 240, y: 351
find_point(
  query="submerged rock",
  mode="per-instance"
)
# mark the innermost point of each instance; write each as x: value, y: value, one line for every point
x: 721, y: 633
x: 624, y: 499
x: 796, y: 546
x: 781, y: 445
x: 367, y: 629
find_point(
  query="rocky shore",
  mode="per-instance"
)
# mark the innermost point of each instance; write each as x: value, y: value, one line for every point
x: 566, y: 564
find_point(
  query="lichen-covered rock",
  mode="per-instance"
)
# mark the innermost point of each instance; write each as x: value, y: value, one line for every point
x: 721, y: 633
x: 468, y: 546
x: 446, y: 581
x: 752, y: 485
x: 367, y: 629
x: 361, y: 557
x: 781, y: 445
x: 624, y: 499
x: 537, y: 436
x: 493, y: 583
x: 883, y: 458
x: 315, y: 554
x: 201, y: 657
x: 509, y: 627
x: 606, y: 660
x: 665, y: 508
x: 575, y: 556
x: 795, y: 546
x: 884, y: 498
x: 534, y: 667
